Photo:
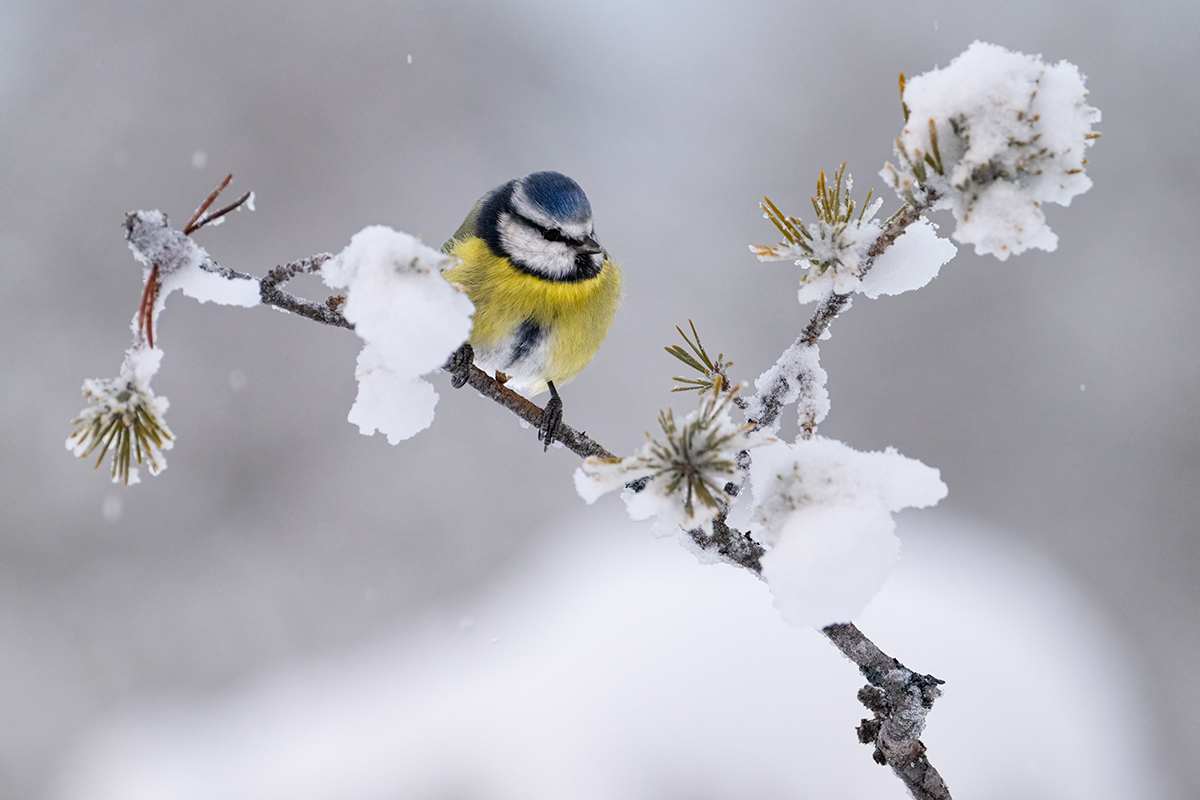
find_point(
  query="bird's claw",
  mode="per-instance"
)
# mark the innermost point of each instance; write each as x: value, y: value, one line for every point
x: 552, y: 416
x: 459, y: 365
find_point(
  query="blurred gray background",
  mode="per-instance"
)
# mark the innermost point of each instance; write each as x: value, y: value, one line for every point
x: 1057, y: 392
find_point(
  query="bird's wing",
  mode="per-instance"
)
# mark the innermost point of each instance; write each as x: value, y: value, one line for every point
x: 468, y: 228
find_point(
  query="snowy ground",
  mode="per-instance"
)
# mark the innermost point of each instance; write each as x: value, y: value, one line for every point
x: 614, y: 666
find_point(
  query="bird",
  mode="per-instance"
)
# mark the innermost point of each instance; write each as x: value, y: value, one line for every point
x: 545, y: 291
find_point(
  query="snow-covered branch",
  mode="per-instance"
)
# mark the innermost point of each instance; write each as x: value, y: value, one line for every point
x: 991, y: 137
x: 908, y: 263
x: 395, y: 308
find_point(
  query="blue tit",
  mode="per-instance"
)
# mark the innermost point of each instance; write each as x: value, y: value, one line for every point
x: 545, y: 291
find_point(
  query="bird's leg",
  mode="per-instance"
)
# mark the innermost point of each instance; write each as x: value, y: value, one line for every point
x: 459, y: 365
x: 552, y: 416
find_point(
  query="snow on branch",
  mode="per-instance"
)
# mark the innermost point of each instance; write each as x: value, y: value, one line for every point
x: 123, y: 415
x: 825, y: 512
x: 1003, y: 133
x: 410, y: 319
x: 993, y: 136
x: 903, y: 254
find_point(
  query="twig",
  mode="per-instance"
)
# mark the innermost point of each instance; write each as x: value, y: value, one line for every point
x: 272, y: 295
x: 769, y: 402
x: 732, y: 545
x: 187, y: 229
x: 901, y: 699
x: 200, y: 219
x: 146, y: 309
x: 577, y: 442
x: 216, y: 215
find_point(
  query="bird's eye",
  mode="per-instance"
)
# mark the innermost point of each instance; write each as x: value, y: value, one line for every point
x: 552, y: 235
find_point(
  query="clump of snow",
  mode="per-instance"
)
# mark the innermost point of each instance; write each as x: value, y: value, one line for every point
x: 826, y: 511
x: 183, y: 264
x: 995, y: 134
x: 411, y: 319
x: 912, y: 261
x: 395, y: 405
x: 797, y: 377
x: 211, y: 287
x: 598, y: 476
x: 141, y: 362
x: 153, y: 241
x: 843, y: 252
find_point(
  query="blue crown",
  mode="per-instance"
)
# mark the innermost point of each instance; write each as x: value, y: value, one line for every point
x: 559, y: 196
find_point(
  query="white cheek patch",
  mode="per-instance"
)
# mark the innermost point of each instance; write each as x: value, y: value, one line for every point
x: 528, y: 248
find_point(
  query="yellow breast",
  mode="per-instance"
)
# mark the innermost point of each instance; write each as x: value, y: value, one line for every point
x: 574, y: 315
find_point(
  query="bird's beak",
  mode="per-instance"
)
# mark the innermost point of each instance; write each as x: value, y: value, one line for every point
x: 590, y: 246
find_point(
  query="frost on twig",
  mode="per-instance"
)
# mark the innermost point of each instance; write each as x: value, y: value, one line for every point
x: 797, y: 377
x: 123, y: 414
x: 184, y: 265
x: 995, y: 134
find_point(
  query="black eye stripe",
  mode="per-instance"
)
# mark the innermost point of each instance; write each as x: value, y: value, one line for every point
x: 550, y: 234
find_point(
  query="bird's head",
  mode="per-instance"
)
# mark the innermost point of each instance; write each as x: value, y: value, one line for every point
x: 543, y: 224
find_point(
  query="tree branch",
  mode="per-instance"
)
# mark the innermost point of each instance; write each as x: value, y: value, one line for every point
x: 900, y: 699
x: 327, y: 314
x: 577, y: 442
x: 771, y: 399
x: 271, y: 294
x: 732, y: 545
